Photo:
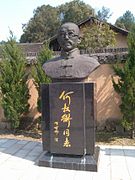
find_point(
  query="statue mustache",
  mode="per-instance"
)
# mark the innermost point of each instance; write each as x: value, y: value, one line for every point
x: 68, y: 42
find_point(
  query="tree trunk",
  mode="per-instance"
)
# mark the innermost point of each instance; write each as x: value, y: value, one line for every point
x: 133, y: 129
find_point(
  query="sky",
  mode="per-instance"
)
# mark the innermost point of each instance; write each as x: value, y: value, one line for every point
x: 14, y: 13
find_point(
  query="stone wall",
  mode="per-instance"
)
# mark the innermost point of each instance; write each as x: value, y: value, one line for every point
x: 107, y: 99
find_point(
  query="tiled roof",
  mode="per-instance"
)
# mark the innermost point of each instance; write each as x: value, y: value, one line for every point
x: 30, y: 47
x: 92, y: 19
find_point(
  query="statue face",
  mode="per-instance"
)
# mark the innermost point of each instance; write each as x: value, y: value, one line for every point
x: 68, y: 36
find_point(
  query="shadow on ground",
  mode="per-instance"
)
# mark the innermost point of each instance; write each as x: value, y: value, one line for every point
x: 24, y: 149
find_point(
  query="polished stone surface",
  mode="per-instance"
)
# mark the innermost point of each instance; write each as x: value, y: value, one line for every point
x: 68, y: 118
x: 82, y: 163
x: 68, y: 126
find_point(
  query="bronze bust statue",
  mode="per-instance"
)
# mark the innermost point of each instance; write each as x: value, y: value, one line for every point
x: 70, y: 65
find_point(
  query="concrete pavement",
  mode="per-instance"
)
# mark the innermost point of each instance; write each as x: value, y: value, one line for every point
x: 18, y: 161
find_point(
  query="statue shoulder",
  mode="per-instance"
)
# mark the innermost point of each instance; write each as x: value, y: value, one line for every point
x: 50, y: 61
x: 89, y: 60
x: 51, y: 64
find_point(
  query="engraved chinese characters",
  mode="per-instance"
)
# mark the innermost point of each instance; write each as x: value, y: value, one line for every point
x: 67, y: 113
x: 56, y: 131
x: 65, y: 118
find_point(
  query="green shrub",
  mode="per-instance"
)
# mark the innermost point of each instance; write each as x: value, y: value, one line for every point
x: 14, y: 93
x: 38, y: 74
x: 126, y: 85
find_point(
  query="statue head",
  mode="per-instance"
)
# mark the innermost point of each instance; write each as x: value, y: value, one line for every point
x: 68, y: 36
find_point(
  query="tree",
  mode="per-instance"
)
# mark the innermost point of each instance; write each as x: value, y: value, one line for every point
x: 99, y: 35
x: 126, y: 85
x: 42, y: 26
x: 14, y: 92
x: 47, y: 20
x: 75, y: 11
x: 38, y: 74
x: 104, y: 14
x: 126, y: 21
x: 2, y: 42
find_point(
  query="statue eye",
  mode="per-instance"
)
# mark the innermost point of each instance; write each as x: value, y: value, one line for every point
x: 70, y: 34
x: 62, y: 34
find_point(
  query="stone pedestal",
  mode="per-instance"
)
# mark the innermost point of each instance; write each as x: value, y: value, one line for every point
x: 68, y: 125
x: 83, y: 163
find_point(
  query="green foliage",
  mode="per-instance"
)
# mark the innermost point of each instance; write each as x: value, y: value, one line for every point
x: 126, y: 85
x: 75, y: 11
x: 14, y: 92
x: 2, y: 42
x: 37, y: 72
x: 42, y: 25
x: 47, y: 19
x: 104, y: 14
x: 97, y: 36
x: 126, y: 21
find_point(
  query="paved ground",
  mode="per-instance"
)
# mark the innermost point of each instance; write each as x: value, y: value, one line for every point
x: 18, y: 161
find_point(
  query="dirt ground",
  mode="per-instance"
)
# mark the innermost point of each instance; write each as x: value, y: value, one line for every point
x: 22, y: 135
x: 113, y: 138
x: 106, y: 138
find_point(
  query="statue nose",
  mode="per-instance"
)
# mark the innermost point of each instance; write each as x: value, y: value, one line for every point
x: 66, y: 36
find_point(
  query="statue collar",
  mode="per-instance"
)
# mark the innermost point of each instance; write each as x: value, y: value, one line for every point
x: 70, y: 54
